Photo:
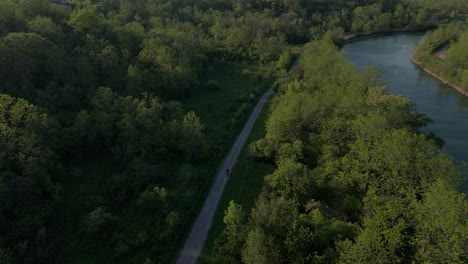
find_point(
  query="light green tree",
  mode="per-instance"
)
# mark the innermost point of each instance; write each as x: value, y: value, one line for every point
x: 260, y: 249
x: 442, y: 225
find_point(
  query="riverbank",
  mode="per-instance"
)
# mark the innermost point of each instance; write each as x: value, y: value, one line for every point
x: 443, y: 80
x: 352, y: 39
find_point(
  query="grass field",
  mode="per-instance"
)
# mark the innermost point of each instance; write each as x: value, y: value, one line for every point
x: 244, y: 185
x: 223, y: 113
x: 215, y: 108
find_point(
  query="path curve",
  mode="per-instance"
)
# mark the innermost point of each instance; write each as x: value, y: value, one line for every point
x: 196, y: 240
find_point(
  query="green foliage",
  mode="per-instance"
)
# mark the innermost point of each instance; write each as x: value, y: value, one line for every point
x: 355, y: 179
x: 446, y: 6
x: 370, y: 19
x: 442, y: 225
x: 12, y: 17
x: 192, y: 143
x: 103, y: 74
x: 96, y: 220
x: 46, y: 27
x: 464, y: 78
x: 260, y: 249
x: 226, y: 247
x: 86, y: 21
x: 273, y: 215
x: 457, y: 53
x: 261, y: 149
x: 443, y: 52
x: 291, y: 119
x: 5, y: 256
x: 146, y: 128
x: 245, y: 183
x: 291, y: 179
x: 27, y: 163
x: 233, y: 218
x: 152, y: 200
x: 212, y: 85
x: 130, y: 36
x: 28, y: 59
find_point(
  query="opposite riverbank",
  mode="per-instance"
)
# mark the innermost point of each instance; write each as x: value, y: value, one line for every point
x: 440, y: 78
x: 355, y: 38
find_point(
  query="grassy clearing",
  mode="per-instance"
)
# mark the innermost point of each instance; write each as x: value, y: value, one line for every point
x: 223, y: 112
x: 244, y: 185
x: 215, y: 107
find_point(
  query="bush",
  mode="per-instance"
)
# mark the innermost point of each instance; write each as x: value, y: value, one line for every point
x: 188, y: 176
x: 121, y: 248
x: 5, y: 256
x: 97, y: 219
x: 464, y: 83
x: 152, y: 200
x: 261, y: 150
x: 212, y: 85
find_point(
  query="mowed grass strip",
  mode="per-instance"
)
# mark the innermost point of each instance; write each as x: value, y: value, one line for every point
x: 244, y: 185
x: 213, y: 108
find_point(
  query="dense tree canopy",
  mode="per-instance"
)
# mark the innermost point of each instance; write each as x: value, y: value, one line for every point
x: 355, y: 180
x: 27, y: 165
x: 93, y: 104
x: 458, y: 6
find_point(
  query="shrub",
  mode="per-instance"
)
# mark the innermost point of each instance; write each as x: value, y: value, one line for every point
x: 121, y: 248
x: 5, y: 256
x: 464, y: 84
x: 261, y: 150
x: 212, y: 85
x: 96, y: 220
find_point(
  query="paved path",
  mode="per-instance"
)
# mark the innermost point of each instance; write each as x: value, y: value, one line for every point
x: 194, y: 244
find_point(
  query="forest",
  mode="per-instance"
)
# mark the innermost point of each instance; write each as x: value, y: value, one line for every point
x: 355, y: 179
x: 452, y: 6
x: 114, y: 115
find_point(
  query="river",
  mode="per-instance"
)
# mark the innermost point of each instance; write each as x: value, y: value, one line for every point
x: 447, y: 108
